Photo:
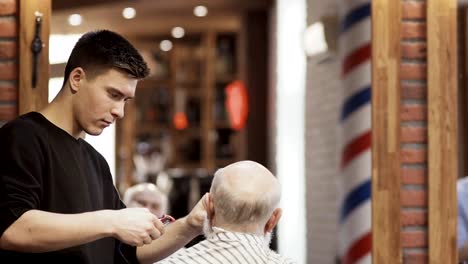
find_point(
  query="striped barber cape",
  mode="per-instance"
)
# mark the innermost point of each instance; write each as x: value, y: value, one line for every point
x: 227, y: 247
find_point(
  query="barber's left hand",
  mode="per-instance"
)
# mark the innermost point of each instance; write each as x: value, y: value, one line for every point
x: 198, y: 215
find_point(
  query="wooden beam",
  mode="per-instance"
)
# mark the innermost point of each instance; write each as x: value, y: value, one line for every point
x: 386, y: 228
x: 33, y: 98
x: 157, y: 17
x: 66, y: 5
x: 463, y: 87
x: 207, y: 106
x: 146, y: 24
x: 442, y: 129
x: 69, y: 4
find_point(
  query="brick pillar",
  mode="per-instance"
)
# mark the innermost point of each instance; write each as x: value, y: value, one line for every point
x: 414, y: 132
x: 8, y: 59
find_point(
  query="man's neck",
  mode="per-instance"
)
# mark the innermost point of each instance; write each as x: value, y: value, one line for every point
x: 59, y: 112
x: 244, y: 228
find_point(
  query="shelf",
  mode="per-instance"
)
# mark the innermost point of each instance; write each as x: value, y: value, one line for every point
x: 225, y: 78
x: 149, y: 129
x: 188, y: 82
x: 153, y: 82
x: 188, y: 132
x: 186, y: 165
x: 188, y: 169
x: 224, y: 162
x: 193, y: 92
x: 223, y: 125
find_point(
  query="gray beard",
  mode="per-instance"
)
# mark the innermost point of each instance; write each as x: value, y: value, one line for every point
x: 209, y: 233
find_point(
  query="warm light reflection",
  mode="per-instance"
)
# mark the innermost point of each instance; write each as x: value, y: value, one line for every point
x: 166, y: 45
x: 129, y: 12
x: 75, y: 20
x: 178, y: 32
x: 200, y: 11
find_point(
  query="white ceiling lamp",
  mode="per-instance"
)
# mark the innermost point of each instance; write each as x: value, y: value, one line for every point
x: 200, y: 11
x: 165, y: 45
x: 178, y: 32
x: 75, y: 20
x: 314, y: 39
x: 129, y: 12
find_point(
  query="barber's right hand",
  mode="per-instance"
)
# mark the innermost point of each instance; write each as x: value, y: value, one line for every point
x: 136, y: 226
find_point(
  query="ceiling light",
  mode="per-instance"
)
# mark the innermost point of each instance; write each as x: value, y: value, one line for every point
x: 178, y: 32
x: 165, y: 45
x: 75, y: 20
x: 314, y: 39
x: 200, y: 11
x: 129, y: 12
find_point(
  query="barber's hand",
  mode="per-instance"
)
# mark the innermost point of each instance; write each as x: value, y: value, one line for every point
x: 198, y: 215
x: 136, y: 226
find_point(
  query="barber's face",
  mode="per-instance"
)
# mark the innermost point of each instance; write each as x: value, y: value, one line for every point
x: 99, y: 101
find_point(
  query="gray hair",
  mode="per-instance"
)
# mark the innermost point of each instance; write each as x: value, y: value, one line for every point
x: 130, y: 193
x: 244, y: 202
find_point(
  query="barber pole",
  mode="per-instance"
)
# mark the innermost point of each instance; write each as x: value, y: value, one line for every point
x: 354, y: 241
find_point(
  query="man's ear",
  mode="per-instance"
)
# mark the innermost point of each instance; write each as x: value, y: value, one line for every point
x: 76, y: 77
x: 210, y: 209
x: 273, y: 220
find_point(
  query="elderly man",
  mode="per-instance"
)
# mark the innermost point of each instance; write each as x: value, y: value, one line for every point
x: 242, y: 212
x: 147, y: 195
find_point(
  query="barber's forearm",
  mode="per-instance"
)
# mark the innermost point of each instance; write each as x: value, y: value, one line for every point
x: 40, y: 231
x: 176, y: 235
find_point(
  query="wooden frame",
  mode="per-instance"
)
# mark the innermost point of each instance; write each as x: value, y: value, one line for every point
x: 462, y: 27
x: 386, y: 227
x: 32, y: 99
x: 442, y: 129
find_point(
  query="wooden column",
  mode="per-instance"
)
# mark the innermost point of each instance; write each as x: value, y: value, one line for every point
x: 386, y: 228
x: 442, y: 129
x: 208, y: 89
x: 30, y: 98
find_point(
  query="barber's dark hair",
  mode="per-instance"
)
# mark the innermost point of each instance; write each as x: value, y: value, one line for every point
x: 102, y: 50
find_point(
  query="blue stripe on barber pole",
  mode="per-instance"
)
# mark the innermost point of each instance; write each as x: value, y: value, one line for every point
x: 355, y: 125
x: 355, y: 215
x: 356, y: 225
x: 356, y: 15
x: 358, y: 196
x: 356, y: 172
x: 348, y: 41
x: 355, y: 102
x: 359, y: 78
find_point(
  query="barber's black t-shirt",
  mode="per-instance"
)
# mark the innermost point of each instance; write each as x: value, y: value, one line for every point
x: 43, y: 167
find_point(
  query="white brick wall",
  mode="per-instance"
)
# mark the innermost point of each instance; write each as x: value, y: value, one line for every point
x: 323, y: 97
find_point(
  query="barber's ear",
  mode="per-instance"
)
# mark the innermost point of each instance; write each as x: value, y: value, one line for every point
x: 210, y: 208
x: 274, y: 218
x: 76, y: 77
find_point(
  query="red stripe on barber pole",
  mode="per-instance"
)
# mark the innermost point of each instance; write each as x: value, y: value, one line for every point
x: 357, y: 57
x: 356, y: 147
x: 358, y: 250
